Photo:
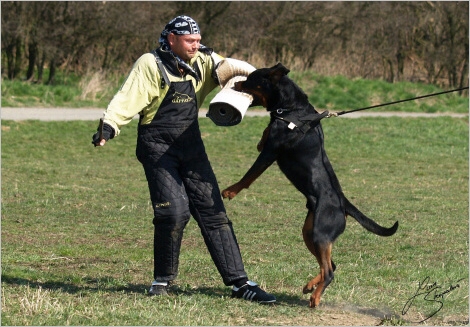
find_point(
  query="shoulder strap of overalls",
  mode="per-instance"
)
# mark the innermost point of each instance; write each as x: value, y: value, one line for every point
x: 165, y: 78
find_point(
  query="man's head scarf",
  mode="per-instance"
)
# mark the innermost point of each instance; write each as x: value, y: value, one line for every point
x: 182, y: 25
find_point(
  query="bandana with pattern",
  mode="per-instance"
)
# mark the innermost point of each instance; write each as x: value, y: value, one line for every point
x: 182, y: 25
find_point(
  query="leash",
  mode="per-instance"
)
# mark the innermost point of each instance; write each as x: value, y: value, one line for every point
x: 336, y: 114
x: 305, y: 124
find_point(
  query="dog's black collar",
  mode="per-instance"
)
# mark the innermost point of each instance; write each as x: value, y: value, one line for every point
x: 282, y: 110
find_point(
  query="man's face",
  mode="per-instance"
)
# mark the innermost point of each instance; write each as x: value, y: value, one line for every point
x: 184, y: 46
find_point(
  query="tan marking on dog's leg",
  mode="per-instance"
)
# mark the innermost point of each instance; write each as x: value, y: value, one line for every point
x: 260, y: 145
x: 310, y: 286
x: 307, y: 233
x: 326, y: 274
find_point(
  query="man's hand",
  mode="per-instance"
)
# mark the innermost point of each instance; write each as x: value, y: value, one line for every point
x: 104, y: 133
x: 101, y: 143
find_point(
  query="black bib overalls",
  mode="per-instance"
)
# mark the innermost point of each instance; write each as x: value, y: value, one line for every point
x: 182, y: 183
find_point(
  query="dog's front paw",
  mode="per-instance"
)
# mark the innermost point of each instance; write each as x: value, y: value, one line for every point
x: 229, y: 193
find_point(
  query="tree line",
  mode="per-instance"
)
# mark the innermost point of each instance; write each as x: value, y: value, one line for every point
x: 419, y: 41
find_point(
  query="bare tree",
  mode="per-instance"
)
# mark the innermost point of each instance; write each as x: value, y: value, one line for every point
x: 12, y: 36
x: 394, y: 41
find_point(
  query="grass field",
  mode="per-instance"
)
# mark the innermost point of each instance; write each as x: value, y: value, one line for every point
x: 77, y: 229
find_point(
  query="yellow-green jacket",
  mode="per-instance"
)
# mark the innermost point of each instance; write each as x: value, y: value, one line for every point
x: 142, y: 92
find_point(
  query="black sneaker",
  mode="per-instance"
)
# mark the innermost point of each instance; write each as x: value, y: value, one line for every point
x: 158, y: 290
x: 251, y: 292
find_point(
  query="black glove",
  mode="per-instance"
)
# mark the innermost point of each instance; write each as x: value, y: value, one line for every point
x: 107, y: 133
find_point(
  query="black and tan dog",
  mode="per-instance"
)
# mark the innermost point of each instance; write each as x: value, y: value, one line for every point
x: 294, y: 138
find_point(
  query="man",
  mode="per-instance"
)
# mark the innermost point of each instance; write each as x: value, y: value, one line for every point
x: 166, y: 88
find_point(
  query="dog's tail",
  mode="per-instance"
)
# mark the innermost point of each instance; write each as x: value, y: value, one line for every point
x: 368, y: 223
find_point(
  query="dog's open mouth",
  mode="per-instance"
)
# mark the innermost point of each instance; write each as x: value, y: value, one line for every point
x: 238, y: 87
x: 258, y: 98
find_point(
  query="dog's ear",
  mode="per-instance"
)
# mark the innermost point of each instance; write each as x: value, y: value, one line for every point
x: 277, y: 72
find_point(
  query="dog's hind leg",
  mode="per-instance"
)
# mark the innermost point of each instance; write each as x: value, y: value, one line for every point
x: 310, y: 286
x: 326, y: 274
x: 307, y: 233
x: 322, y: 253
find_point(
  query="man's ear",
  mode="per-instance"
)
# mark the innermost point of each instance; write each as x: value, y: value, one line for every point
x: 277, y: 72
x: 171, y: 38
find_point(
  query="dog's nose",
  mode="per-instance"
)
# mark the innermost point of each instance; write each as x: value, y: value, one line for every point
x: 237, y: 86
